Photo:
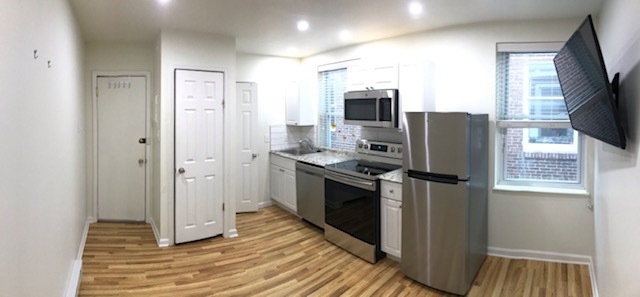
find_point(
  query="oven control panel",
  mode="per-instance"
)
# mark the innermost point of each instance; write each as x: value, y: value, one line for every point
x: 379, y: 148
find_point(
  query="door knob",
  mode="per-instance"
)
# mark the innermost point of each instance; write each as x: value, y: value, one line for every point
x: 254, y: 155
x: 140, y: 161
x: 181, y: 170
x: 142, y: 140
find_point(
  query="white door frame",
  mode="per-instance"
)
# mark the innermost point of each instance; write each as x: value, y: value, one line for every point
x: 228, y: 227
x: 148, y: 150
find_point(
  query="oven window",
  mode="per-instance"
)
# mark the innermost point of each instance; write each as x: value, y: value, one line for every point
x: 385, y: 109
x: 360, y: 109
x: 351, y: 210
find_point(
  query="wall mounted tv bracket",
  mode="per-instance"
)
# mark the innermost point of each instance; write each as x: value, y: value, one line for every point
x: 615, y: 86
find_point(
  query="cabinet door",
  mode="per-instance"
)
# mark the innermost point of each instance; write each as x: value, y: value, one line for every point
x: 384, y: 76
x: 277, y: 183
x: 290, y: 190
x: 417, y: 83
x: 292, y: 104
x: 299, y: 108
x: 357, y: 78
x: 378, y: 76
x: 391, y: 226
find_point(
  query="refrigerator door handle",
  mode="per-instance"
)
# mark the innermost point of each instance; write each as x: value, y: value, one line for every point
x: 434, y: 177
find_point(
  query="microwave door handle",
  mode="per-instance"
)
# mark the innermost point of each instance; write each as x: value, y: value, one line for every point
x: 378, y: 117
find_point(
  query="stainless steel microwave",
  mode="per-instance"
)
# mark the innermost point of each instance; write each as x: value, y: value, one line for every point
x: 372, y: 108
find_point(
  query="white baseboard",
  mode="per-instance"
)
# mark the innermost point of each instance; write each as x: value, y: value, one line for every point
x: 264, y: 204
x: 83, y: 240
x: 76, y: 271
x: 548, y: 257
x: 74, y: 279
x: 233, y: 233
x: 162, y: 242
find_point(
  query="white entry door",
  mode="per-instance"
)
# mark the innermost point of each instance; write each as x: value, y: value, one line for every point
x: 247, y: 94
x: 121, y: 155
x: 198, y: 154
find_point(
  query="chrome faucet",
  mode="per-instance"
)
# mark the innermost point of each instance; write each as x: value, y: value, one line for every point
x: 308, y: 143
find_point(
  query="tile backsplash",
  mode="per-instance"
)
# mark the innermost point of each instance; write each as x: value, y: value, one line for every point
x: 381, y: 134
x: 284, y: 137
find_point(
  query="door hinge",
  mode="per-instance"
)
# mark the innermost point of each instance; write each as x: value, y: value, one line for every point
x: 222, y: 104
x: 222, y: 206
x: 96, y: 91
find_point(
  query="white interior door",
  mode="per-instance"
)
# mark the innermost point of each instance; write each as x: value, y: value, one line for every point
x: 121, y: 156
x: 198, y: 154
x: 247, y: 94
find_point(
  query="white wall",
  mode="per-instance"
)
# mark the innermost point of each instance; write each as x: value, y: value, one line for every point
x: 617, y: 203
x: 191, y: 50
x: 108, y: 57
x: 464, y: 70
x: 42, y: 147
x: 272, y: 75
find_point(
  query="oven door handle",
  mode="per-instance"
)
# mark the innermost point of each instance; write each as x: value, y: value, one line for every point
x: 352, y: 181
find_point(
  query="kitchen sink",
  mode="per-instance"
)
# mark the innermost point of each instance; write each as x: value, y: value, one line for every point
x: 300, y: 151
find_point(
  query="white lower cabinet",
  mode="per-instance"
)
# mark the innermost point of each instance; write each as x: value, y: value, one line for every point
x: 283, y: 181
x: 391, y: 218
x: 290, y: 190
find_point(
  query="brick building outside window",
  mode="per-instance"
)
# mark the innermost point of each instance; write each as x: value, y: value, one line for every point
x: 537, y: 146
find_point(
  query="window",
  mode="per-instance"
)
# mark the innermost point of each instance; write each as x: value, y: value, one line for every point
x: 538, y: 147
x: 332, y: 132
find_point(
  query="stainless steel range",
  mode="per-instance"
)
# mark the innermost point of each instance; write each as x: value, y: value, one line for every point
x: 352, y: 198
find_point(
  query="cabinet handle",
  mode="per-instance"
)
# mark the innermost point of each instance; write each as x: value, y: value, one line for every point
x: 281, y: 170
x: 391, y: 191
x: 400, y: 207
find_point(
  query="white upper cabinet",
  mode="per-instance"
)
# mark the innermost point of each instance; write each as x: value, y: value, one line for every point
x: 299, y: 110
x: 416, y: 86
x: 379, y: 75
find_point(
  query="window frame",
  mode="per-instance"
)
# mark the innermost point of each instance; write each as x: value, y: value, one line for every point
x: 332, y: 113
x: 579, y: 146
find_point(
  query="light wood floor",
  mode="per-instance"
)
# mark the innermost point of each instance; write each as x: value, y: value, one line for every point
x: 276, y: 254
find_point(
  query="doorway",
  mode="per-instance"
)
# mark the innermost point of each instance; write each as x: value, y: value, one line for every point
x: 199, y: 127
x: 120, y: 147
x: 247, y: 99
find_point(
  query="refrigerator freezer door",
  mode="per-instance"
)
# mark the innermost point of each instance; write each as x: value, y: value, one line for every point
x: 436, y: 142
x: 434, y: 234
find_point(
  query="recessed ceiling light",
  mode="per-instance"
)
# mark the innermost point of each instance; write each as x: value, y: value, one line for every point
x: 163, y: 2
x: 293, y: 50
x: 415, y: 8
x: 345, y: 35
x: 303, y: 25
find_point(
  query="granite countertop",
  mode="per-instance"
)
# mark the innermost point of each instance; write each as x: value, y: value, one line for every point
x: 393, y: 176
x: 330, y: 156
x: 321, y: 159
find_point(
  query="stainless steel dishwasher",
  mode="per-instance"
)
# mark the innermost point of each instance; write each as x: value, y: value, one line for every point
x: 310, y: 192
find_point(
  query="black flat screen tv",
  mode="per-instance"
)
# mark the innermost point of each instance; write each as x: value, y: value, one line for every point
x: 590, y: 98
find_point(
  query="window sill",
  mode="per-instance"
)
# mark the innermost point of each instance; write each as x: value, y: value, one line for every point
x: 548, y: 190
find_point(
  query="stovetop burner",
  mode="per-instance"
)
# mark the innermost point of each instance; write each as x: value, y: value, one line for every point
x: 363, y: 167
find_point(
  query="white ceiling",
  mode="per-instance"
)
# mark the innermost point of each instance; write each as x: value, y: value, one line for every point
x: 269, y: 26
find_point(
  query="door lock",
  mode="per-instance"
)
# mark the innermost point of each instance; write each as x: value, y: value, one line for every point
x: 254, y: 155
x: 181, y: 170
x: 140, y: 161
x: 142, y: 140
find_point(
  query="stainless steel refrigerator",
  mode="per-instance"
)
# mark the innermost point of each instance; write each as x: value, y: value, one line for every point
x: 444, y: 198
